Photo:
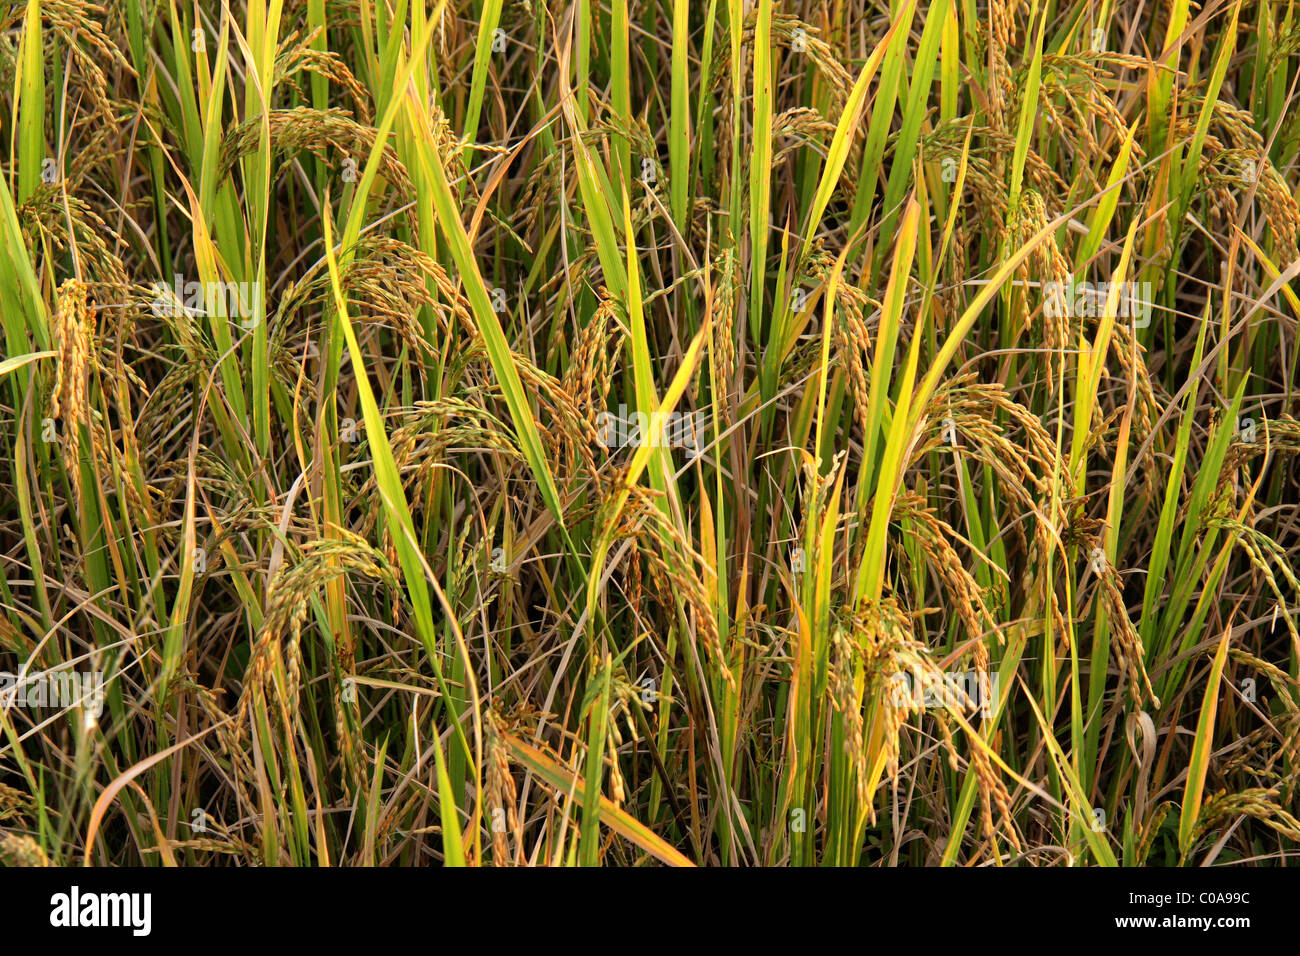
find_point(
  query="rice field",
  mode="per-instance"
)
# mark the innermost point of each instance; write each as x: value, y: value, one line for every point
x: 718, y: 433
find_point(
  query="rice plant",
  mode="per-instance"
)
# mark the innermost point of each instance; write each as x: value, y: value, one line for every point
x: 634, y: 433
